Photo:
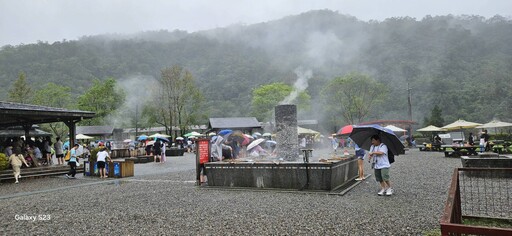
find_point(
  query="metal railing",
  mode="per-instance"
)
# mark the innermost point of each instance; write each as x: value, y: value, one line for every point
x: 478, y: 193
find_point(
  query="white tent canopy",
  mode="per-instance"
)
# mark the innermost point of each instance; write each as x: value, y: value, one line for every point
x: 395, y: 129
x: 301, y: 130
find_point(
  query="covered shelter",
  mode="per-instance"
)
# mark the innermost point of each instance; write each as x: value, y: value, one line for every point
x: 19, y: 131
x: 26, y: 115
x: 235, y: 123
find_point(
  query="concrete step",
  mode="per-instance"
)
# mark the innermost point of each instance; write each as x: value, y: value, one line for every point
x: 36, y: 172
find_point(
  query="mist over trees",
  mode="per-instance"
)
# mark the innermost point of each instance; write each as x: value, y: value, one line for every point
x: 461, y: 64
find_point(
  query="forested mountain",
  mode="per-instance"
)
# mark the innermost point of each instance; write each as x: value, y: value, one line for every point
x: 461, y: 63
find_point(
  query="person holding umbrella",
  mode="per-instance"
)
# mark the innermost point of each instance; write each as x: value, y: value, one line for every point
x: 380, y: 163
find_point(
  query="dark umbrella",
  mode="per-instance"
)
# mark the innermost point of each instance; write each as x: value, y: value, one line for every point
x: 361, y: 135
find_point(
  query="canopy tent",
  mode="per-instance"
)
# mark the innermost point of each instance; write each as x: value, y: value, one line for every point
x: 395, y: 129
x: 431, y: 128
x: 304, y: 131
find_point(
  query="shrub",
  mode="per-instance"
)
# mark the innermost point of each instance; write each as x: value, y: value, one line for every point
x: 94, y: 154
x: 4, y: 161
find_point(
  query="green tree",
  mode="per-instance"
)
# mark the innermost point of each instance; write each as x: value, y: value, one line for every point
x: 179, y: 102
x: 20, y: 90
x: 54, y: 95
x: 103, y: 98
x: 266, y: 97
x: 353, y: 96
x: 436, y: 117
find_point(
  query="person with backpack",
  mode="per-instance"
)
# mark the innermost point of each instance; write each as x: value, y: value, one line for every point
x: 73, y: 162
x: 381, y: 164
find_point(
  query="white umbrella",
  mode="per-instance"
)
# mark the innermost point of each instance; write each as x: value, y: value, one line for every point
x: 461, y: 124
x: 431, y: 128
x: 267, y: 135
x: 255, y: 143
x: 157, y: 135
x: 127, y: 140
x: 212, y: 134
x: 494, y: 124
x: 395, y: 129
x: 179, y: 138
x: 257, y: 134
x: 83, y: 136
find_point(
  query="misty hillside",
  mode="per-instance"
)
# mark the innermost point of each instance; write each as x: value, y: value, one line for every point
x: 461, y: 63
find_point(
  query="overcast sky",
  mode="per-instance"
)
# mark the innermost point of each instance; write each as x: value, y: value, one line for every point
x: 27, y: 21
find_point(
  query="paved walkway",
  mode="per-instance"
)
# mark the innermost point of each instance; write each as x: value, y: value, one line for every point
x: 163, y: 199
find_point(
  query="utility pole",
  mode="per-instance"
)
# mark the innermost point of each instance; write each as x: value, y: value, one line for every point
x: 410, y: 111
x: 136, y: 121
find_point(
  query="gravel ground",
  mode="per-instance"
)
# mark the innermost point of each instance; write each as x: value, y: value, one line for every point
x: 162, y: 199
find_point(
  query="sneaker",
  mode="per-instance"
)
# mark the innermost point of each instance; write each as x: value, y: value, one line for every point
x: 381, y: 192
x: 16, y: 182
x: 389, y: 192
x: 67, y: 176
x: 359, y: 179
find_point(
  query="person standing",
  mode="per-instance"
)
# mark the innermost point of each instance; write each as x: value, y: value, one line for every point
x: 162, y: 157
x: 102, y: 157
x: 73, y: 160
x: 471, y: 139
x: 16, y: 160
x: 334, y: 144
x: 47, y: 152
x: 379, y: 154
x: 484, y: 141
x: 360, y: 153
x: 58, y: 151
x: 157, y: 150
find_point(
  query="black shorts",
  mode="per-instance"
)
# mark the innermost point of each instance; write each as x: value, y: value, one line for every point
x: 157, y: 152
x: 60, y: 155
x: 101, y: 164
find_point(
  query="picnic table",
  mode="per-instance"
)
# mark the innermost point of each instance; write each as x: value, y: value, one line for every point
x: 458, y: 151
x: 433, y: 147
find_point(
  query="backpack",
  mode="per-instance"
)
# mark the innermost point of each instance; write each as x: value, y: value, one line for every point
x: 391, y: 157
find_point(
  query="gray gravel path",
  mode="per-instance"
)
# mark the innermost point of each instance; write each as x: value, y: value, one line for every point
x: 163, y: 200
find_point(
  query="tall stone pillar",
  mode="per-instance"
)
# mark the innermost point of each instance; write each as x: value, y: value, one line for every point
x: 286, y: 132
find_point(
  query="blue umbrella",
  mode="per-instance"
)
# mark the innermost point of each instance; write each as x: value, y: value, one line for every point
x: 361, y: 135
x: 225, y: 131
x: 162, y: 138
x: 142, y: 137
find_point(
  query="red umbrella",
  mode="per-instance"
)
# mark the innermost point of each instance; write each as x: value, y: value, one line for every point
x: 347, y: 129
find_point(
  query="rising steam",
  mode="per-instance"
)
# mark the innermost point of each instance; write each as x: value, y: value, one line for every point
x: 300, y: 85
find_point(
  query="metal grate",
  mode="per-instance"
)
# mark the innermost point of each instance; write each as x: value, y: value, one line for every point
x: 486, y: 192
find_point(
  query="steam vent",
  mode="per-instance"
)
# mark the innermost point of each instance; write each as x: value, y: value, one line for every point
x: 286, y: 132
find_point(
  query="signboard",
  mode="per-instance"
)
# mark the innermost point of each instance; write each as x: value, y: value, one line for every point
x: 203, y: 150
x: 202, y: 156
